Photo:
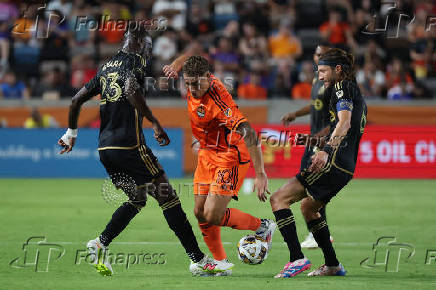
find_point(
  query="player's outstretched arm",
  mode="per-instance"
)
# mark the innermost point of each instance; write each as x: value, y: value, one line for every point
x: 136, y: 98
x: 251, y: 140
x: 69, y: 138
x: 320, y: 158
x: 172, y: 70
x: 291, y: 116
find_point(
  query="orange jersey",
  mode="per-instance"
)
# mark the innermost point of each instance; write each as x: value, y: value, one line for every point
x: 214, y: 119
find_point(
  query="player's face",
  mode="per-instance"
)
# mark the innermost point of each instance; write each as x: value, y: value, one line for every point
x: 198, y: 86
x: 326, y: 74
x: 318, y: 52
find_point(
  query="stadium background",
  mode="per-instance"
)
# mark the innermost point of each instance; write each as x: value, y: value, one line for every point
x: 264, y: 49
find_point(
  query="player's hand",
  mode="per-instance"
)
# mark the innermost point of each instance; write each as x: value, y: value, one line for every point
x: 66, y: 147
x: 161, y: 136
x: 319, y: 160
x: 288, y: 118
x: 68, y: 140
x: 171, y: 71
x: 261, y: 185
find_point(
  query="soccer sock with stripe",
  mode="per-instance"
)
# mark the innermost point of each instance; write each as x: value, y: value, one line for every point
x: 321, y: 233
x: 240, y: 220
x: 179, y: 223
x: 323, y: 216
x: 120, y: 219
x: 212, y: 238
x: 286, y: 224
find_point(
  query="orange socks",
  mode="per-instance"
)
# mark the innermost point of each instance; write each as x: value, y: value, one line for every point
x: 212, y: 238
x: 233, y: 218
x: 240, y: 220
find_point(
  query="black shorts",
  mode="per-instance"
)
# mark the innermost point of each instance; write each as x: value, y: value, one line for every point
x: 325, y: 185
x: 140, y: 164
x: 306, y: 159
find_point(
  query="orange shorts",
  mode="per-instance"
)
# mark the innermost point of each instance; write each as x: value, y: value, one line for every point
x: 209, y: 178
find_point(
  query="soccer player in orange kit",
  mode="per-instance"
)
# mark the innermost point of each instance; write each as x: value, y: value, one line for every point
x: 227, y: 141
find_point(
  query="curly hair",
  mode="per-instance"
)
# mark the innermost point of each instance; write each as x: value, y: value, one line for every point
x: 196, y: 66
x: 340, y: 57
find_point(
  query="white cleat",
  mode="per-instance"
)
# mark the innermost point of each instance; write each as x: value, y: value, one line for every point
x: 208, y: 267
x: 266, y: 231
x: 310, y: 243
x: 98, y: 254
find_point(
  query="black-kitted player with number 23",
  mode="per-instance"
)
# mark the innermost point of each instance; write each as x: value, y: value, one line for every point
x: 123, y: 151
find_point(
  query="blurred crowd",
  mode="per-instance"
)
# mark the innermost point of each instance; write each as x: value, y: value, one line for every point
x: 261, y: 48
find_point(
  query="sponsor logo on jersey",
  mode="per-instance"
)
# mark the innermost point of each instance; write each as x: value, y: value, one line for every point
x: 201, y: 111
x: 340, y: 94
x: 228, y: 112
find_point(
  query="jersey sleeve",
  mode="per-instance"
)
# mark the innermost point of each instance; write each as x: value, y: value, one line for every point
x: 93, y: 86
x: 344, y: 93
x: 226, y: 111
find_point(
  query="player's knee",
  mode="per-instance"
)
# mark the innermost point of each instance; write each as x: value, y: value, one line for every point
x: 199, y: 214
x: 211, y: 217
x: 140, y: 198
x: 308, y: 209
x: 278, y: 201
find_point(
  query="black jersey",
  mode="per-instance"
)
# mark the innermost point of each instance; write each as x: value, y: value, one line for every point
x: 319, y: 107
x: 121, y: 125
x: 346, y: 96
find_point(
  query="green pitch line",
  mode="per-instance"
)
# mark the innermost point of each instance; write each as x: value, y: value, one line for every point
x: 72, y: 211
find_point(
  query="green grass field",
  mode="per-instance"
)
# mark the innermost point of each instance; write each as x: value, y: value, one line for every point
x: 71, y: 212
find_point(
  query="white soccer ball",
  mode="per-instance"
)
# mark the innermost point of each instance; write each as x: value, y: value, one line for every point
x: 252, y: 250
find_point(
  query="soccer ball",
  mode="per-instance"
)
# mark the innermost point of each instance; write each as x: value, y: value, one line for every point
x: 252, y: 250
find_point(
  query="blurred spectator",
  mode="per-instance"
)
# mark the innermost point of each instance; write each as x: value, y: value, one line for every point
x: 371, y: 80
x: 421, y: 44
x: 301, y: 90
x: 164, y: 50
x: 336, y: 31
x: 223, y: 12
x: 36, y: 120
x: 82, y: 38
x: 401, y: 91
x: 396, y: 74
x: 114, y: 14
x: 173, y: 10
x: 198, y: 22
x: 83, y: 69
x: 53, y: 86
x: 62, y: 6
x: 11, y: 88
x: 254, y: 48
x: 285, y: 48
x: 8, y: 14
x: 225, y: 55
x: 231, y: 31
x: 253, y: 89
x: 279, y: 89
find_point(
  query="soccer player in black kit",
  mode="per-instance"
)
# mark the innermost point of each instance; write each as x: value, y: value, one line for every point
x: 331, y: 168
x: 123, y: 151
x: 319, y: 125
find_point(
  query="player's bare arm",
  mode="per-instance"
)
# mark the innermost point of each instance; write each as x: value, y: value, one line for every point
x: 319, y: 160
x: 251, y: 140
x: 172, y: 70
x: 68, y: 140
x: 291, y: 116
x: 137, y: 100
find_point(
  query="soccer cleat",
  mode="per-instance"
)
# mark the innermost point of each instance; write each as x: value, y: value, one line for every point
x: 310, y: 243
x: 209, y: 267
x: 328, y: 271
x: 266, y: 231
x: 292, y: 269
x: 98, y: 252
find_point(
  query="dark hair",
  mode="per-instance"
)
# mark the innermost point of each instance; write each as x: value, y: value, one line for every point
x: 340, y: 57
x: 196, y: 66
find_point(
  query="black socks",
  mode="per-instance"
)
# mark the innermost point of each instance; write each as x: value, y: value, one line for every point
x: 120, y: 219
x: 321, y: 233
x: 286, y: 224
x: 177, y: 221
